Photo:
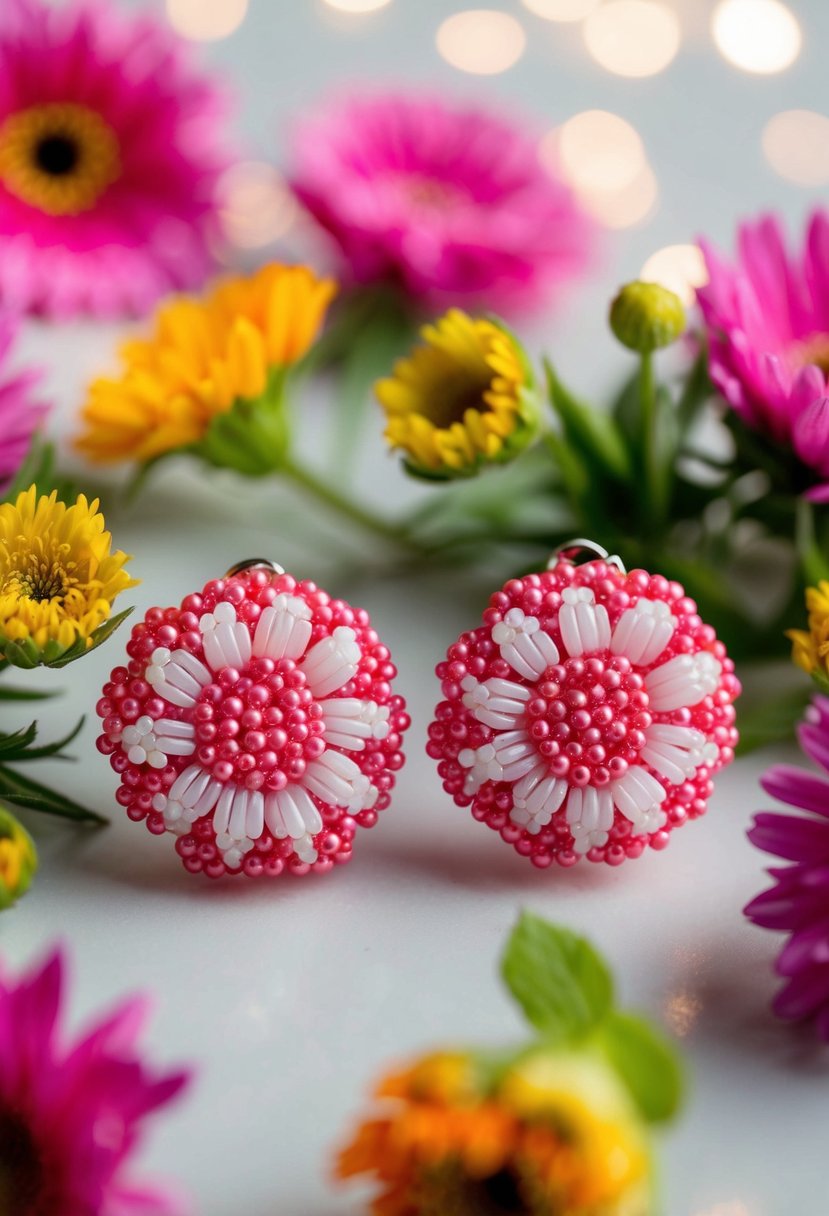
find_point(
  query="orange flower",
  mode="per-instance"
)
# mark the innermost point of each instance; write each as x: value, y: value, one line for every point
x: 453, y: 1140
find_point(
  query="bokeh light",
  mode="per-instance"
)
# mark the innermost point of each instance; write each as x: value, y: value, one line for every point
x: 624, y: 208
x: 796, y: 145
x: 598, y: 150
x: 680, y: 268
x: 482, y: 41
x: 206, y: 20
x: 632, y: 37
x: 357, y: 6
x: 756, y: 35
x: 561, y: 10
x: 255, y: 205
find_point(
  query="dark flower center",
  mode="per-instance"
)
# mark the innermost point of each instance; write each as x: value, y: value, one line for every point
x: 57, y: 155
x: 21, y: 1170
x: 447, y: 1191
x: 460, y: 393
x: 41, y: 585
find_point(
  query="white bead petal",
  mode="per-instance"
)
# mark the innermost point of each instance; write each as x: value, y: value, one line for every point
x: 273, y: 817
x: 183, y: 782
x: 349, y: 722
x: 584, y: 624
x: 238, y: 814
x: 208, y: 799
x: 284, y: 629
x: 255, y: 820
x: 332, y: 662
x: 683, y: 681
x: 221, y: 815
x: 195, y: 789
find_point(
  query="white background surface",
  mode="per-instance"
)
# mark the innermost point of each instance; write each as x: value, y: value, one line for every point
x: 291, y: 996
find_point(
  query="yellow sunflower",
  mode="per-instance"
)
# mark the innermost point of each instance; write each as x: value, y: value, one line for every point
x: 554, y: 1135
x: 463, y: 398
x: 810, y: 647
x: 205, y: 356
x: 58, y: 576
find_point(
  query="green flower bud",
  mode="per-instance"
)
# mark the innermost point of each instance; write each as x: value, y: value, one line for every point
x: 646, y: 316
x: 18, y: 859
x: 253, y: 436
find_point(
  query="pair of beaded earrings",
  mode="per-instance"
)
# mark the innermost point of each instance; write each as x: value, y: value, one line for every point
x: 585, y: 717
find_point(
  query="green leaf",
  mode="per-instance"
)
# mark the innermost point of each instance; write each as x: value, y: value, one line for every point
x: 647, y: 1063
x: 47, y: 750
x: 562, y: 984
x: 100, y: 635
x: 24, y: 694
x: 592, y: 431
x: 24, y: 791
x: 18, y: 741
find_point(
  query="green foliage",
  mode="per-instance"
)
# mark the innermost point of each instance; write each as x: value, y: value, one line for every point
x: 563, y: 986
x: 565, y: 990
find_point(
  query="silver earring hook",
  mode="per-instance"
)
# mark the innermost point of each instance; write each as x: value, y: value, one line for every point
x: 573, y: 550
x: 254, y: 563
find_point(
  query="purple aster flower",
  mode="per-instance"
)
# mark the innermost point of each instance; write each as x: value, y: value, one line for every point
x: 798, y: 901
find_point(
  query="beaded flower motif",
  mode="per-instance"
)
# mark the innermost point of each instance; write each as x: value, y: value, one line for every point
x: 257, y: 723
x: 587, y: 715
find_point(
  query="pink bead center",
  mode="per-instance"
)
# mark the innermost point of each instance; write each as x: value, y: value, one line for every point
x: 588, y: 718
x: 260, y: 727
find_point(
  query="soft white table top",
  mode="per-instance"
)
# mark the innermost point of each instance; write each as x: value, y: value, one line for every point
x: 291, y: 996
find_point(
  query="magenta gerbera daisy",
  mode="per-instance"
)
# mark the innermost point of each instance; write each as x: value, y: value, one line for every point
x: 798, y: 901
x: 587, y: 715
x: 448, y: 202
x: 21, y: 413
x: 257, y: 724
x: 767, y: 318
x: 108, y: 159
x: 72, y: 1114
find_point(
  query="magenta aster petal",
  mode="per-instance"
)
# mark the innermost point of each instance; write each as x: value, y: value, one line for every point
x: 70, y: 1117
x: 767, y: 318
x: 108, y: 159
x: 20, y: 412
x: 449, y: 202
x: 798, y: 900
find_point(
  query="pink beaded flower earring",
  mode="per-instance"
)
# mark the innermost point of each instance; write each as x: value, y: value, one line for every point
x: 256, y: 723
x: 588, y: 714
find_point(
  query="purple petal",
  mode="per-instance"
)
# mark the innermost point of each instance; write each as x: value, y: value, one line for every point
x: 810, y: 435
x: 791, y: 837
x: 807, y: 947
x: 804, y: 995
x: 797, y: 787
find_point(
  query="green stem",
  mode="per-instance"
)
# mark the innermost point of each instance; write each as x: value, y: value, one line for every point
x: 318, y: 488
x: 812, y: 562
x: 647, y: 401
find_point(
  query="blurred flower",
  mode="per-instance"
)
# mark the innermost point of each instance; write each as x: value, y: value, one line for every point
x: 450, y: 203
x: 108, y: 159
x: 71, y: 1116
x: 768, y: 328
x: 18, y: 862
x: 556, y: 1132
x: 58, y: 578
x: 20, y: 412
x: 209, y: 376
x: 810, y: 647
x: 798, y: 901
x: 646, y: 316
x: 463, y: 398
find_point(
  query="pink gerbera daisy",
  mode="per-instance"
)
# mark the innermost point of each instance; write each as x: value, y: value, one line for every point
x: 798, y: 901
x: 767, y: 318
x: 450, y: 203
x: 256, y: 723
x: 588, y: 714
x: 71, y: 1115
x: 20, y: 412
x: 108, y: 159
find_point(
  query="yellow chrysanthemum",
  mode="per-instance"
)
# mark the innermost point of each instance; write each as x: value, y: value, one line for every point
x: 58, y: 577
x: 810, y: 648
x: 203, y: 357
x: 462, y: 398
x: 555, y: 1134
x: 18, y: 859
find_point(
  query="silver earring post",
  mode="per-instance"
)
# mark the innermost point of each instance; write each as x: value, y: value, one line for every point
x: 254, y: 563
x: 581, y: 549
